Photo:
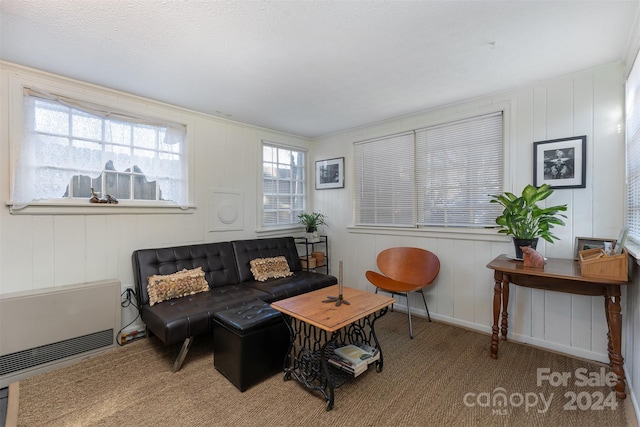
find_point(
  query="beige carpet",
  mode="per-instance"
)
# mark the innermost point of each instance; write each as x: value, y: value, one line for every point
x: 424, y: 382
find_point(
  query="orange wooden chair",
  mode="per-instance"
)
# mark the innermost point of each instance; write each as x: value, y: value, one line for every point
x: 405, y: 270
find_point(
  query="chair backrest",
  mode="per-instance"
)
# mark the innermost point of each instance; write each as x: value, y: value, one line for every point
x: 415, y: 266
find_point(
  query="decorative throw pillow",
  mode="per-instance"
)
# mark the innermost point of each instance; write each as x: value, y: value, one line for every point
x: 186, y: 282
x: 265, y: 268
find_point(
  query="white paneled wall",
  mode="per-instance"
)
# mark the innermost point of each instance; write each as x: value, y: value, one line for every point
x: 42, y: 251
x: 588, y: 103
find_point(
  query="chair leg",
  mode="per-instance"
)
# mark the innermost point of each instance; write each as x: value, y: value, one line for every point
x: 186, y: 345
x: 409, y: 312
x: 425, y: 305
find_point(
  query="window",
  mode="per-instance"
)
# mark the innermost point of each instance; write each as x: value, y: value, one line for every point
x: 283, y: 184
x: 439, y: 176
x: 385, y: 181
x: 633, y: 151
x: 69, y: 148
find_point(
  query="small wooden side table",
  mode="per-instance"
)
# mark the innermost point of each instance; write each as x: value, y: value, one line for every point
x: 317, y: 328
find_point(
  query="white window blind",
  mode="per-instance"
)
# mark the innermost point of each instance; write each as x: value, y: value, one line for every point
x: 458, y: 165
x: 283, y: 185
x: 439, y: 176
x: 385, y: 181
x: 633, y: 152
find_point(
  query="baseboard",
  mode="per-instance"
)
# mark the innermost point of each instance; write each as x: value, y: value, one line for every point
x: 515, y: 337
x: 632, y: 408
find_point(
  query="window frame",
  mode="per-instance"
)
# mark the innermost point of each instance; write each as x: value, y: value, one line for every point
x: 632, y: 152
x: 388, y: 159
x: 108, y: 99
x: 509, y: 167
x: 262, y: 227
x: 488, y: 125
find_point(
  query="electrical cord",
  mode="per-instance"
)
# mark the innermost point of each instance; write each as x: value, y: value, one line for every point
x: 128, y: 298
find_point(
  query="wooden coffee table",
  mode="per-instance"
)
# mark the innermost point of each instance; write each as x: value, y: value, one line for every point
x: 318, y: 327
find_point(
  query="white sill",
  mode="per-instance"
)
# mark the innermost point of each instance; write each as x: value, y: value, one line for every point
x: 458, y: 233
x: 634, y: 250
x: 85, y: 208
x: 285, y: 230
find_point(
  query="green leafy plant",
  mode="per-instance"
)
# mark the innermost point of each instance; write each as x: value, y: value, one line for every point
x: 311, y: 221
x: 522, y: 218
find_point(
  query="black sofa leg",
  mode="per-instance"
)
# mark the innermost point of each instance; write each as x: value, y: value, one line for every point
x: 186, y: 345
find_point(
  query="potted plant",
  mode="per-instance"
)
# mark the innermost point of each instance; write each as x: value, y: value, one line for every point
x: 523, y: 219
x: 311, y: 221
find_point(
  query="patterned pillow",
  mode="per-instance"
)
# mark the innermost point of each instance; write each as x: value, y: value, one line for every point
x: 265, y: 268
x: 176, y: 285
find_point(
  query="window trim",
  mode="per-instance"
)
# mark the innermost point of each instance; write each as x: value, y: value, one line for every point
x: 506, y: 106
x: 420, y: 176
x: 280, y: 228
x: 20, y: 79
x: 632, y: 145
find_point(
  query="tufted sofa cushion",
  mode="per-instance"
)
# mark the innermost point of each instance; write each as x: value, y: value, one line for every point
x: 216, y: 259
x: 247, y: 250
x: 301, y: 282
x: 174, y: 320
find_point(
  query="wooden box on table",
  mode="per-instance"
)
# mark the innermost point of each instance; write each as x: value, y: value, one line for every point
x: 596, y: 263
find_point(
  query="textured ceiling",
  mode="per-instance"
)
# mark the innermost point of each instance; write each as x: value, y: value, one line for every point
x: 312, y: 68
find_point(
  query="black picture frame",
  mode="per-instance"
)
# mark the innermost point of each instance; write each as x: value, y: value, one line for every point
x: 330, y: 173
x: 561, y: 163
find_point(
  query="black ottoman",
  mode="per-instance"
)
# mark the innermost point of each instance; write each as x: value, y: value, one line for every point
x: 249, y: 343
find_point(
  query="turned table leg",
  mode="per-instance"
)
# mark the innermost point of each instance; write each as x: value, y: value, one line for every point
x: 505, y: 303
x: 614, y: 320
x: 497, y: 298
x: 609, y: 343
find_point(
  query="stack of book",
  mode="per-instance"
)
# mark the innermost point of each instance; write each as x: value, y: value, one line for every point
x: 354, y: 358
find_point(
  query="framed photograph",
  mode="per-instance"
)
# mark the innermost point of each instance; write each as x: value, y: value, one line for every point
x: 561, y: 163
x: 330, y: 173
x: 584, y: 243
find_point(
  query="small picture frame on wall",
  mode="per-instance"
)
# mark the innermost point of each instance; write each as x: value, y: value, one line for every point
x: 561, y: 163
x: 330, y: 173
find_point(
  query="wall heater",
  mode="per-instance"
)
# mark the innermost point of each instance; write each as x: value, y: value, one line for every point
x: 49, y: 328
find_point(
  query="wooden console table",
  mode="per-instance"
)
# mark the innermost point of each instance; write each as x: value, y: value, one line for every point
x: 560, y: 275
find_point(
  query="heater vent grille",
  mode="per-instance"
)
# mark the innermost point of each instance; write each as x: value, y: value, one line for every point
x: 26, y: 359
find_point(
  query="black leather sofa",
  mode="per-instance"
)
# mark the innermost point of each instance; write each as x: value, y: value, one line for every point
x: 231, y: 283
